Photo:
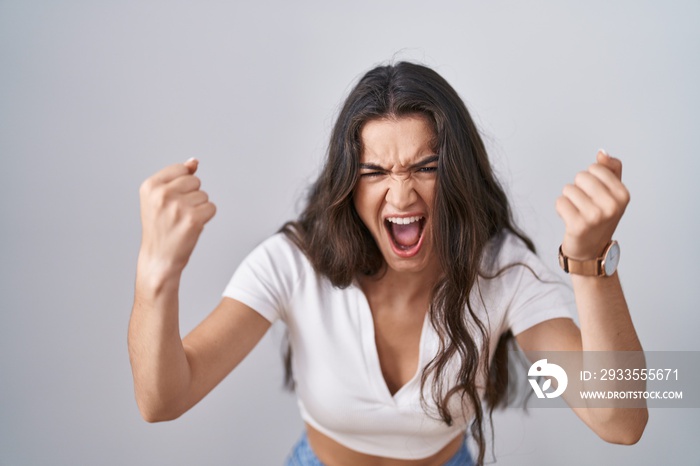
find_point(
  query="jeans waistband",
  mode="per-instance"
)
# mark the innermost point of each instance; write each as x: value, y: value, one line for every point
x: 303, y: 455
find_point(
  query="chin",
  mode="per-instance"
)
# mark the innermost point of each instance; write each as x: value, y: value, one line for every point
x: 418, y: 262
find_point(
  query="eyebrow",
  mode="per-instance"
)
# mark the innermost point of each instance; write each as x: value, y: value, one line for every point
x: 421, y: 163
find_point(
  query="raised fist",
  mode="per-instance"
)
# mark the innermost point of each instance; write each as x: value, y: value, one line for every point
x: 173, y: 213
x: 592, y: 207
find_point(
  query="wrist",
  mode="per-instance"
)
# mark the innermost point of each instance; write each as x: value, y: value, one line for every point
x: 584, y: 248
x: 155, y: 277
x: 603, y: 265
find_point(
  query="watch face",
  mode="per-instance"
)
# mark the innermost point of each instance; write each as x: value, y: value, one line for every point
x: 612, y: 258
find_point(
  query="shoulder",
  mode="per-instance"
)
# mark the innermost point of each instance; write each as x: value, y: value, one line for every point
x: 525, y: 288
x: 279, y: 242
x: 268, y: 277
x: 506, y: 250
x: 278, y: 255
x: 513, y: 272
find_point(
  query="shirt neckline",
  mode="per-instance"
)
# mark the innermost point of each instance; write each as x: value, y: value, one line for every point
x: 406, y: 393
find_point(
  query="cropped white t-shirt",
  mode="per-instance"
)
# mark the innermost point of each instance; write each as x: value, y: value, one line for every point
x: 339, y: 384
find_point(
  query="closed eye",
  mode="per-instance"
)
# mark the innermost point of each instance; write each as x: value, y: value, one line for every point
x: 427, y: 169
x: 371, y: 174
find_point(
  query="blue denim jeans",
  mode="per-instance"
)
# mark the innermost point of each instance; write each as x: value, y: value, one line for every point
x: 303, y: 455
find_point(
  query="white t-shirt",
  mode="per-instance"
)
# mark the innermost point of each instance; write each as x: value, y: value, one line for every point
x: 339, y: 383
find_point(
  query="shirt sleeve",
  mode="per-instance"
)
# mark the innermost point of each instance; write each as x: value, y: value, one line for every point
x: 266, y: 278
x: 538, y: 294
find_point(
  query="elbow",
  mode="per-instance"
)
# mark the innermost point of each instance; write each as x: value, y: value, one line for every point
x: 156, y: 412
x: 153, y: 416
x: 629, y: 433
x: 158, y: 405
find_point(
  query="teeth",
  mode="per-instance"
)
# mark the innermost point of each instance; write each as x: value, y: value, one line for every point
x: 404, y: 220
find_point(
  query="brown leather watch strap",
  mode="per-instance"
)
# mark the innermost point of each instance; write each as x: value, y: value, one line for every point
x: 590, y: 268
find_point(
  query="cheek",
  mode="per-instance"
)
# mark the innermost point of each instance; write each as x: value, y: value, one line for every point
x: 427, y: 193
x: 367, y: 202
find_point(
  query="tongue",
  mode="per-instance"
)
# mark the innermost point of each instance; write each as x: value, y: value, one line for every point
x: 406, y: 235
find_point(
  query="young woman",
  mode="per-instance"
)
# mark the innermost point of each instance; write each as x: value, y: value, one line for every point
x: 400, y: 284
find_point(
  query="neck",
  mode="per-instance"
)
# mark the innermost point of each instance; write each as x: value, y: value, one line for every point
x: 390, y: 285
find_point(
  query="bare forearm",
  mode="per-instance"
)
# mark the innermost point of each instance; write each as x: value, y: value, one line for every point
x: 606, y: 325
x: 158, y: 360
x: 605, y: 320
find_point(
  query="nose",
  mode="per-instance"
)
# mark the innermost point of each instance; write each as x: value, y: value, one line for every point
x: 401, y: 193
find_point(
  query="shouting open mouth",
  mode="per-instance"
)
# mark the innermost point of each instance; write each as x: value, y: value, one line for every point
x: 405, y: 234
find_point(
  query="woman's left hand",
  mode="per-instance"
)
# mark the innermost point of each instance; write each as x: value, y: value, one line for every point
x: 592, y: 207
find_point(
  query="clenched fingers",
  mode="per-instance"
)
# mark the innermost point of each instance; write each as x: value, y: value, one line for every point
x: 570, y: 214
x: 601, y: 200
x: 592, y: 206
x: 205, y: 212
x: 195, y: 198
x: 171, y: 172
x: 184, y: 184
x: 611, y: 163
x: 611, y: 182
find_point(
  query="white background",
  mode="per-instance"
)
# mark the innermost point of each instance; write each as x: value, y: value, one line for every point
x: 96, y: 96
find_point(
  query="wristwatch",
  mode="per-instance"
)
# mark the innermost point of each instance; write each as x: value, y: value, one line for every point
x: 602, y: 266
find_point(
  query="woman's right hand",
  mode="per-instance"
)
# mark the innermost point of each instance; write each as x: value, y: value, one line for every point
x: 173, y: 213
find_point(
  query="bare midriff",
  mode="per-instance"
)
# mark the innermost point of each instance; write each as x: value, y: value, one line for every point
x: 331, y: 453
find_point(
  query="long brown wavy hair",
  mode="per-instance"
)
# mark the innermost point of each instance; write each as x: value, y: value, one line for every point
x: 470, y: 208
